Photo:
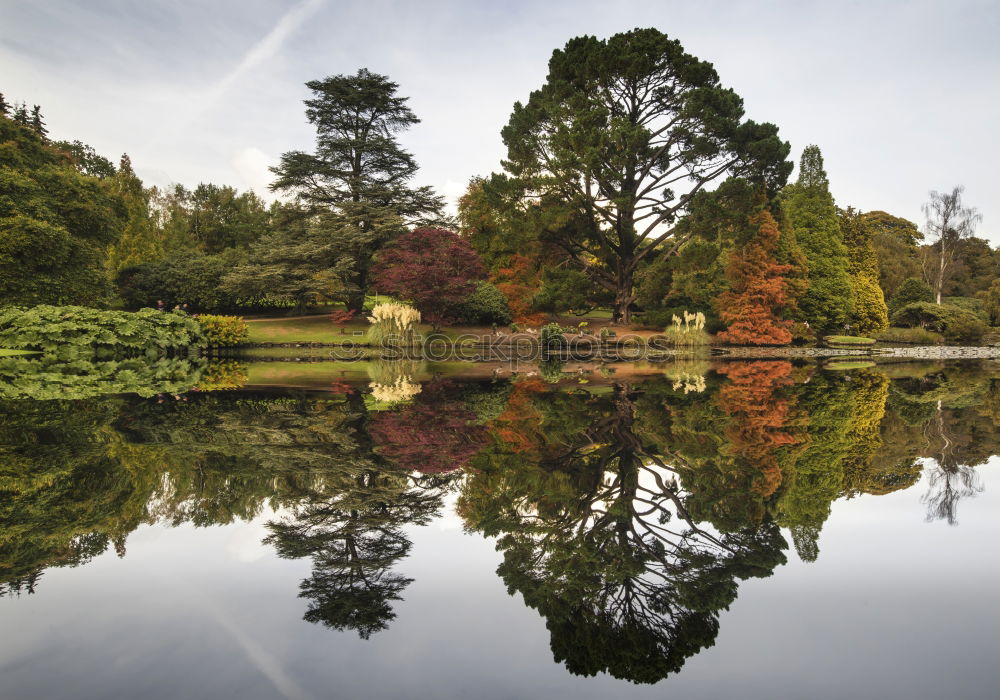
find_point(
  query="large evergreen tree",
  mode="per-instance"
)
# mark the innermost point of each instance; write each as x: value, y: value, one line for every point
x: 869, y: 313
x: 624, y: 133
x: 358, y: 168
x: 826, y: 304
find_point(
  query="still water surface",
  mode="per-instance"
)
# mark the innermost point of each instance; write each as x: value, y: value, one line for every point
x: 752, y: 529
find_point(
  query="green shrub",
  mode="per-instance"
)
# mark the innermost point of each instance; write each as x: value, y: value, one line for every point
x: 916, y: 336
x: 224, y: 331
x: 189, y: 277
x: 73, y: 331
x: 552, y: 338
x: 955, y: 323
x: 911, y: 291
x: 965, y: 329
x: 974, y: 306
x: 486, y: 305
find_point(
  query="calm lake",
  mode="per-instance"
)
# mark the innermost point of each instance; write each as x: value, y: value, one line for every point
x: 754, y: 529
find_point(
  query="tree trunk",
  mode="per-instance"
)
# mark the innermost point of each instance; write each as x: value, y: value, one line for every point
x: 356, y: 297
x: 623, y: 293
x: 940, y: 279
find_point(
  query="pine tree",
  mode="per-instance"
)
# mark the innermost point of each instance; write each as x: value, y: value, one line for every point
x: 21, y: 114
x: 826, y: 304
x: 4, y: 107
x: 37, y: 123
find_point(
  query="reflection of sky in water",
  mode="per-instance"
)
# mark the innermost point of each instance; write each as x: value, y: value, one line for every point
x: 893, y: 607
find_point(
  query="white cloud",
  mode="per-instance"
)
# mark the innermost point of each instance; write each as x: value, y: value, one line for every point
x: 251, y: 165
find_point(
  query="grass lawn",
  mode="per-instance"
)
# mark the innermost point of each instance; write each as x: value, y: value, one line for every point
x: 305, y: 329
x: 6, y: 352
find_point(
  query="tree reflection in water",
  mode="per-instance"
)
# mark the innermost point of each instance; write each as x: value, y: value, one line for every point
x: 626, y: 513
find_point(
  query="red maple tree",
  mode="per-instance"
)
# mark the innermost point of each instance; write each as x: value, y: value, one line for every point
x: 758, y: 289
x: 434, y: 268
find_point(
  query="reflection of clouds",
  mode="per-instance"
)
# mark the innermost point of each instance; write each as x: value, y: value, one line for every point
x: 265, y: 662
x: 245, y: 544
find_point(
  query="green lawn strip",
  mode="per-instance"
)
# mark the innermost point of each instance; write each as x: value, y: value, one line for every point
x: 9, y: 352
x: 312, y: 329
x: 848, y: 340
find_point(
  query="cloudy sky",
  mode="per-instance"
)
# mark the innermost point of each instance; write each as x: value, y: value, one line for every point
x: 902, y: 97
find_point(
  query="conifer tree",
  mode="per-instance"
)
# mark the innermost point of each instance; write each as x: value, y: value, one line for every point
x: 37, y: 123
x: 826, y: 304
x: 4, y: 107
x: 140, y: 240
x: 758, y: 289
x: 358, y: 171
x: 21, y: 114
x: 869, y: 313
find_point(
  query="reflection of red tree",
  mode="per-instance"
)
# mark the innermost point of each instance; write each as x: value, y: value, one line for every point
x: 759, y: 290
x: 760, y: 417
x: 436, y: 434
x: 519, y: 426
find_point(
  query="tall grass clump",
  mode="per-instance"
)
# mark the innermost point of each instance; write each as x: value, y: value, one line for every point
x: 392, y: 324
x: 689, y: 331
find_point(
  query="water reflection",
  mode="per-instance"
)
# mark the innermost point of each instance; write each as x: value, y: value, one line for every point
x: 627, y: 512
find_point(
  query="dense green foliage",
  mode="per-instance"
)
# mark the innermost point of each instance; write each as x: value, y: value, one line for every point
x: 75, y: 331
x: 186, y: 277
x: 954, y: 322
x: 827, y: 303
x: 56, y: 223
x: 910, y: 291
x: 600, y: 144
x: 486, y: 305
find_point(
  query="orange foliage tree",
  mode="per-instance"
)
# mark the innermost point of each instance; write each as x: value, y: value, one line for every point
x: 519, y: 282
x: 758, y: 289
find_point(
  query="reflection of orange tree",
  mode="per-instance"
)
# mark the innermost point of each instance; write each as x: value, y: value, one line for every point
x: 519, y: 426
x: 760, y: 416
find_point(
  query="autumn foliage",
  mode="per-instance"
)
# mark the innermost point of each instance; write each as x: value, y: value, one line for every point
x: 519, y: 282
x: 434, y: 268
x: 758, y: 290
x: 519, y: 426
x: 760, y: 416
x: 434, y: 435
